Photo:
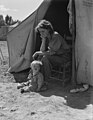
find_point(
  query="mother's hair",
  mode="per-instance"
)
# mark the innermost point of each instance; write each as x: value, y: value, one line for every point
x: 45, y: 25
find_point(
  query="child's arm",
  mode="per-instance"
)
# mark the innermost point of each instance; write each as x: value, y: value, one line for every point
x: 29, y: 76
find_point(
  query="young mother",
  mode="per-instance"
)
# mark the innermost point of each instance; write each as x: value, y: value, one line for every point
x: 54, y: 49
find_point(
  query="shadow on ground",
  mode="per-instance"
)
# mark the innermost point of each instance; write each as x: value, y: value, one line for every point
x: 74, y: 100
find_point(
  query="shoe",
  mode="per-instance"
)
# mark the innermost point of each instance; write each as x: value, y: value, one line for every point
x: 74, y: 90
x: 82, y: 89
x: 44, y: 87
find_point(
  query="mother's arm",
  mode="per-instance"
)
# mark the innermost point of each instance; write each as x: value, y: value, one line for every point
x: 43, y: 49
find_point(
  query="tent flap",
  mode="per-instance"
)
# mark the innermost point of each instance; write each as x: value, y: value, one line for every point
x: 84, y: 41
x: 21, y: 40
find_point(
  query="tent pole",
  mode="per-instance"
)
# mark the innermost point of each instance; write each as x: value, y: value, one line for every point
x: 1, y: 54
x: 73, y: 80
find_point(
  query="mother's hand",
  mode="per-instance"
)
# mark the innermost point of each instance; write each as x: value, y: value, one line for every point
x: 37, y: 54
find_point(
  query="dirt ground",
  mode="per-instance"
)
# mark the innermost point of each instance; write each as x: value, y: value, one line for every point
x: 57, y: 103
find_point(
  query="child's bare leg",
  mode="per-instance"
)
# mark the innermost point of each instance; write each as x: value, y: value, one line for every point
x: 25, y: 89
x: 21, y: 85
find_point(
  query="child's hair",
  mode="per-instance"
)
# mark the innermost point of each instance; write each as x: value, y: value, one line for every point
x: 36, y: 62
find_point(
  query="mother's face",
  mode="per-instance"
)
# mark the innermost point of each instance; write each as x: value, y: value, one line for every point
x: 43, y: 32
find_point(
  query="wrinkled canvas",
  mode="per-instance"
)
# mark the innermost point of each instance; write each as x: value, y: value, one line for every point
x: 84, y: 41
x: 21, y: 40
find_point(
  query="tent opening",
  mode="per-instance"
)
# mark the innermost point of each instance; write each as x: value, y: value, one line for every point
x: 58, y: 15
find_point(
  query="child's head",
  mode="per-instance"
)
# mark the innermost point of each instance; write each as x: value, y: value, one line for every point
x: 35, y: 66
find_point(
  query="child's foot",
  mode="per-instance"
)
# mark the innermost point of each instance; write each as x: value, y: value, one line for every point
x: 19, y: 86
x: 22, y: 91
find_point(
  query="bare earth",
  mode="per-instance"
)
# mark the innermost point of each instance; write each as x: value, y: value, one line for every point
x: 54, y: 104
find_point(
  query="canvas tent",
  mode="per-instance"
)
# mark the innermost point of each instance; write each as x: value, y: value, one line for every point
x: 10, y: 27
x: 23, y: 41
x: 84, y: 41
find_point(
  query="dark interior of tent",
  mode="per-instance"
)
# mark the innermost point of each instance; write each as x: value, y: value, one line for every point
x: 58, y: 15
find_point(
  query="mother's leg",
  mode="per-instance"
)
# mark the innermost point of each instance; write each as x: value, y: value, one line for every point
x: 46, y: 69
x: 49, y: 60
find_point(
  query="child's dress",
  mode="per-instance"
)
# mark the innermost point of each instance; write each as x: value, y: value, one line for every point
x: 32, y: 83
